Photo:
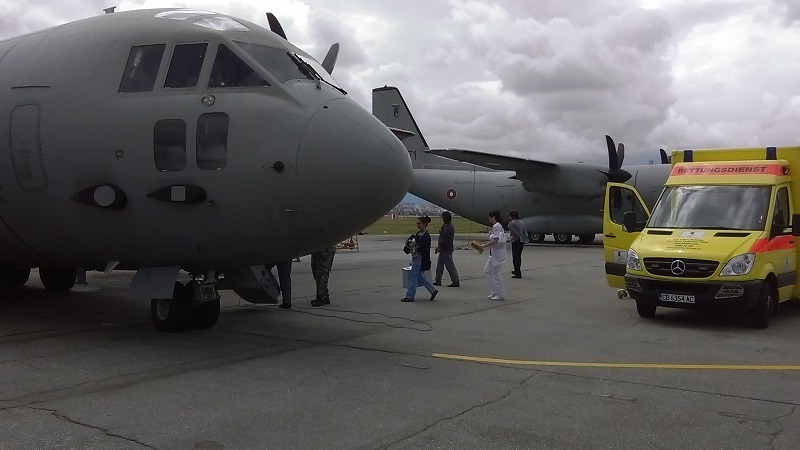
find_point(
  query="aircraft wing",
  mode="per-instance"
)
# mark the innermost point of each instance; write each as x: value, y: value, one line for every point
x: 490, y: 161
x: 577, y: 180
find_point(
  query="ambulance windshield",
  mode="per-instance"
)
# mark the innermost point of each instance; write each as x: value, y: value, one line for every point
x: 712, y: 208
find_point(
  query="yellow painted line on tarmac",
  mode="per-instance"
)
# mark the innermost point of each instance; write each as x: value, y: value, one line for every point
x: 517, y: 362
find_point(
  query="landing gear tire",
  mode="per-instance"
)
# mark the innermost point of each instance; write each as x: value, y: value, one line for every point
x: 585, y: 238
x: 562, y: 238
x: 14, y: 277
x: 536, y: 238
x: 645, y: 310
x: 172, y: 314
x: 764, y: 308
x: 205, y: 315
x: 58, y: 279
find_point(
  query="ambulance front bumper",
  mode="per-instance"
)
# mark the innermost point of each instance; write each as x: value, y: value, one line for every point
x: 731, y: 295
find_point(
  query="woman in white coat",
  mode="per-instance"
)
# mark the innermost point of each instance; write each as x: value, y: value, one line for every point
x: 497, y: 256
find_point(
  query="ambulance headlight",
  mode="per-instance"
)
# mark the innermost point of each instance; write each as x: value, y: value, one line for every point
x: 739, y: 265
x: 633, y: 260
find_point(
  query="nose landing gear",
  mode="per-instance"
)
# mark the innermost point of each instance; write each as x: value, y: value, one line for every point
x: 192, y: 305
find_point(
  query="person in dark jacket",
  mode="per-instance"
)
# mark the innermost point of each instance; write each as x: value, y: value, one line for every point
x: 518, y: 238
x: 445, y: 251
x: 418, y: 245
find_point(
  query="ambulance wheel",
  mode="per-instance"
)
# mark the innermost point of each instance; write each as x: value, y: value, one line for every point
x: 585, y: 238
x: 536, y: 238
x: 58, y: 279
x: 562, y: 238
x: 14, y: 277
x: 645, y: 310
x: 764, y: 308
x: 172, y: 314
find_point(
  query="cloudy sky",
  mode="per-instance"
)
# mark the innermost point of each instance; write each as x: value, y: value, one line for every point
x: 544, y: 79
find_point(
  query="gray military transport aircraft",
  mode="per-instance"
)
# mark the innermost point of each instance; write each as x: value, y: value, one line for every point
x: 169, y: 139
x: 562, y: 199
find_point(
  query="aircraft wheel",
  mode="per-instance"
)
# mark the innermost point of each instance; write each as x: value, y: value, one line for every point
x: 764, y: 308
x: 585, y: 238
x: 536, y: 238
x: 645, y: 310
x: 58, y: 279
x: 562, y: 238
x: 172, y: 314
x: 14, y: 277
x: 205, y: 315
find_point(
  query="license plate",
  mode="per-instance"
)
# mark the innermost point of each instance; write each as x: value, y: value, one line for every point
x: 677, y: 298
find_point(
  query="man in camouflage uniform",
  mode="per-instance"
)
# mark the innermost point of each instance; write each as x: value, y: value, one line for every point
x: 321, y: 263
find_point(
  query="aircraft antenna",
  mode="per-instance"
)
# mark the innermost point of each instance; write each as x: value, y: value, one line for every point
x: 109, y: 10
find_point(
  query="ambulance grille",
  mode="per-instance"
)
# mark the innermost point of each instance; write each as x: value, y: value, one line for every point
x: 680, y: 267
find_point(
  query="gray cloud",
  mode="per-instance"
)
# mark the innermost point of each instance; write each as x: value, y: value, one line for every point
x: 543, y: 79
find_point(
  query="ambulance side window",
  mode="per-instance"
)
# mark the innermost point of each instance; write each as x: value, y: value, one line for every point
x: 620, y: 201
x: 781, y: 214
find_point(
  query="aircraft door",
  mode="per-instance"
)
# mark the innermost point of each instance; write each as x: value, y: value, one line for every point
x: 620, y: 198
x: 505, y: 199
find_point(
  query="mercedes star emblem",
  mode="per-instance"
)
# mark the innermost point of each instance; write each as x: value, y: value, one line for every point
x: 678, y: 267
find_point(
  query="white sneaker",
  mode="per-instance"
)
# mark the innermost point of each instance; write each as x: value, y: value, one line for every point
x: 496, y: 297
x: 490, y: 295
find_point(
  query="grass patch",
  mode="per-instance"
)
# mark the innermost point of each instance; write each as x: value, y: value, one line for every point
x: 408, y: 225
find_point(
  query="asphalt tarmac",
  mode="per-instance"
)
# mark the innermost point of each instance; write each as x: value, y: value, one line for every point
x: 561, y: 363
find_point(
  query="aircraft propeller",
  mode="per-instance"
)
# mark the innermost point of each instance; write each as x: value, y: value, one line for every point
x: 275, y: 25
x: 616, y: 154
x: 330, y: 58
x: 664, y: 158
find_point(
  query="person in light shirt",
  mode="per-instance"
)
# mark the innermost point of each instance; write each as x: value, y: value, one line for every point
x: 497, y: 256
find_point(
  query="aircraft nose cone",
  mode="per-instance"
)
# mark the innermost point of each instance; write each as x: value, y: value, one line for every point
x: 351, y: 169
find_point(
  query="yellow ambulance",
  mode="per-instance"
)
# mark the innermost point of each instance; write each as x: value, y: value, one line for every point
x: 723, y: 234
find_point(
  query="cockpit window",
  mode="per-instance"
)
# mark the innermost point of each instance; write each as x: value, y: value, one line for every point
x: 276, y: 61
x: 184, y: 69
x: 230, y: 71
x: 318, y: 70
x: 142, y: 68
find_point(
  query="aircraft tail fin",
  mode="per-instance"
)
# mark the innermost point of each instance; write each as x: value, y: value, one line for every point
x: 390, y: 108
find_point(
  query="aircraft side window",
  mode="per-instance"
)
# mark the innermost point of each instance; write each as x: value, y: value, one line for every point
x: 142, y: 68
x: 230, y: 71
x: 184, y: 69
x: 169, y: 145
x: 212, y: 141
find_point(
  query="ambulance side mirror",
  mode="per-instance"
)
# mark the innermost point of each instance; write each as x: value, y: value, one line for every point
x: 795, y: 224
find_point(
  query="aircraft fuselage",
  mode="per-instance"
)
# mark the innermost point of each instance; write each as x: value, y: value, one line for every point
x: 194, y: 172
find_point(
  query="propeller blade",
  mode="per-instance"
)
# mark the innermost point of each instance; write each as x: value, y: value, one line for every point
x: 612, y: 154
x: 617, y: 176
x: 330, y: 59
x: 616, y: 154
x: 275, y: 25
x: 664, y: 158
